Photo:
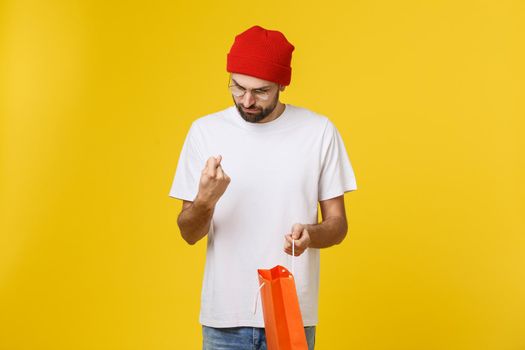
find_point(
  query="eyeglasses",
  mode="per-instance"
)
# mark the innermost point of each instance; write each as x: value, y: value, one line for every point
x: 258, y: 94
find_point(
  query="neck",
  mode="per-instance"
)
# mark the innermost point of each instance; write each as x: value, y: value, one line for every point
x: 277, y: 111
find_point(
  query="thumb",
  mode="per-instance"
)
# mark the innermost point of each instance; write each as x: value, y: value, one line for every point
x: 297, y: 229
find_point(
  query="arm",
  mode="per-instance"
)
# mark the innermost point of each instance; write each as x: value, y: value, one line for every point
x: 332, y: 230
x: 195, y: 218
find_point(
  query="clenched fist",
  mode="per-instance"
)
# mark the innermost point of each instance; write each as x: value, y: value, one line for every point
x: 213, y: 181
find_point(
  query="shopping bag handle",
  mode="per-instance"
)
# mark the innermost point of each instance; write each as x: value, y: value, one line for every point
x: 293, y: 256
x: 257, y: 297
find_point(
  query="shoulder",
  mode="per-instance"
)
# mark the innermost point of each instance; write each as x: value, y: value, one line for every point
x: 214, y: 119
x: 305, y: 116
x: 320, y: 125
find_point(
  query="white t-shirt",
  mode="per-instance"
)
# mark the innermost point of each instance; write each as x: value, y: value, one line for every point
x: 279, y: 171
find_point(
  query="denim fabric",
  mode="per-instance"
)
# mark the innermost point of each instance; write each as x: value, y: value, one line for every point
x: 242, y: 338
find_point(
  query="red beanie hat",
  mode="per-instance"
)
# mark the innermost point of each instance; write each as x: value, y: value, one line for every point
x: 261, y: 53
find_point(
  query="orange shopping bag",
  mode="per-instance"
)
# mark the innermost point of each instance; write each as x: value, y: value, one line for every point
x: 283, y: 322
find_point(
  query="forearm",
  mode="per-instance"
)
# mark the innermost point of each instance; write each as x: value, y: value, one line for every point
x: 329, y: 232
x: 194, y: 221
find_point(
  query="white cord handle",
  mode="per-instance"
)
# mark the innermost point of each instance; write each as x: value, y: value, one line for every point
x: 257, y: 297
x: 293, y: 256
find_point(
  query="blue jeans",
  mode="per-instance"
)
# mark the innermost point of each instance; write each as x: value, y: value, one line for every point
x: 243, y: 338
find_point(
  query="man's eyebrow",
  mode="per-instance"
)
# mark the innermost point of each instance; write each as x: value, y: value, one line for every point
x: 259, y: 88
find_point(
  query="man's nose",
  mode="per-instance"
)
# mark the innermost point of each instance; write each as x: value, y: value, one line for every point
x: 247, y: 100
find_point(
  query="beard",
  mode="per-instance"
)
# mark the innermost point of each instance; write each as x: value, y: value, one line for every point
x: 263, y: 112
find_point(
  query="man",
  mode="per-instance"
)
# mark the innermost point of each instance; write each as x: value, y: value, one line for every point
x: 250, y: 177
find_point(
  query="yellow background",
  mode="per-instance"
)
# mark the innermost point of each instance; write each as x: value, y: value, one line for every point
x: 97, y: 97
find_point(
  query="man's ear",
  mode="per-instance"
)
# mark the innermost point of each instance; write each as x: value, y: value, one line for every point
x: 281, y: 87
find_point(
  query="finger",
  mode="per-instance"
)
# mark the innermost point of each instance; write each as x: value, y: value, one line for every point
x: 219, y: 158
x: 301, y: 242
x: 220, y: 173
x: 211, y: 165
x: 297, y: 229
x: 288, y: 237
x: 296, y: 235
x: 296, y: 251
x: 223, y: 172
x: 289, y: 251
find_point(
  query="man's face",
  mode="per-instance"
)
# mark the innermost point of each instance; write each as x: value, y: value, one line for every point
x: 251, y: 106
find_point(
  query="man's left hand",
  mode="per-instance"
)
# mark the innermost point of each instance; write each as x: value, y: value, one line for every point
x: 302, y: 240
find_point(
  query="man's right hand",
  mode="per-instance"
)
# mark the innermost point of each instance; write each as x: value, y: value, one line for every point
x: 213, y: 182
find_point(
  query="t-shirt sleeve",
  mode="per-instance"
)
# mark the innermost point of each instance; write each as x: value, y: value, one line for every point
x: 187, y: 176
x: 337, y: 175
